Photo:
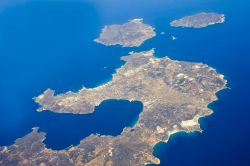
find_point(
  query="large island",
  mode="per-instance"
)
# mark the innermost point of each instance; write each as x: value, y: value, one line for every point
x: 199, y: 20
x: 130, y: 34
x: 175, y: 94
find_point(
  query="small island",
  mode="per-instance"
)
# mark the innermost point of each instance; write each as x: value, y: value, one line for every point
x: 130, y: 34
x: 175, y: 94
x: 199, y: 20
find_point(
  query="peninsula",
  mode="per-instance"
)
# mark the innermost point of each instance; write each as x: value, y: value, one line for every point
x: 175, y: 94
x: 130, y: 34
x: 199, y: 20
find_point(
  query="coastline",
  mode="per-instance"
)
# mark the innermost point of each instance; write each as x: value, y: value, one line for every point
x: 156, y: 151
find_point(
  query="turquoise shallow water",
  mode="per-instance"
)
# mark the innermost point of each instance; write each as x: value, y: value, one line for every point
x: 49, y: 44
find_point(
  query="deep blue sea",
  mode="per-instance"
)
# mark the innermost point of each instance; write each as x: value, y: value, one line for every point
x: 49, y: 44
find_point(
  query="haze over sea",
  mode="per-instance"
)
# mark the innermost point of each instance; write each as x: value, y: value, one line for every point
x: 49, y: 44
